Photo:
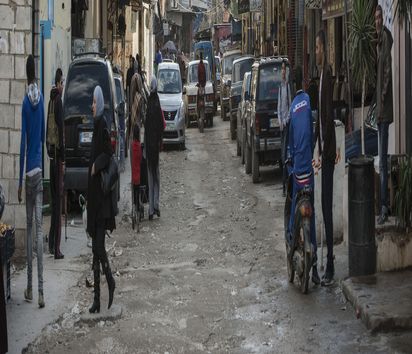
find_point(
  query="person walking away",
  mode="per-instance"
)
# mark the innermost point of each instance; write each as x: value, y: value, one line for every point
x: 284, y: 100
x: 3, y: 314
x: 384, y: 105
x: 154, y: 127
x: 100, y: 208
x: 129, y: 75
x: 328, y: 156
x: 158, y: 58
x: 55, y: 150
x: 301, y: 155
x: 136, y: 161
x: 201, y: 72
x: 32, y: 140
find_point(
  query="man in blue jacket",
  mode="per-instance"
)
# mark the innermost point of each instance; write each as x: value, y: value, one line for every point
x: 301, y: 154
x: 32, y: 140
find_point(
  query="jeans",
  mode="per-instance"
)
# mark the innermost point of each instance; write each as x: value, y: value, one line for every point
x: 284, y: 152
x: 154, y: 188
x: 328, y: 168
x: 296, y: 188
x: 34, y: 203
x: 56, y: 189
x: 383, y: 129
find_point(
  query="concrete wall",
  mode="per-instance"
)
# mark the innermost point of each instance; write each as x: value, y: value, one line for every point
x: 15, y: 46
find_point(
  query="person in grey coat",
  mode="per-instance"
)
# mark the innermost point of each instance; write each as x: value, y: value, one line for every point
x: 384, y: 105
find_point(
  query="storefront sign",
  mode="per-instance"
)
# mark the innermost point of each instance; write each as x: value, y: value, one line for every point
x: 335, y: 8
x: 243, y: 6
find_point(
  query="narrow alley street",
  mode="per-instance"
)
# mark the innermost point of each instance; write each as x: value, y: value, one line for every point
x: 210, y: 274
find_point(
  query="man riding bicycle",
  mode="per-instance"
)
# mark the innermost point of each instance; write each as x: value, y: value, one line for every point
x: 300, y: 158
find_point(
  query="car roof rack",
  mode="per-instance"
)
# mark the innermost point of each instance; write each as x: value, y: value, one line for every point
x: 91, y: 54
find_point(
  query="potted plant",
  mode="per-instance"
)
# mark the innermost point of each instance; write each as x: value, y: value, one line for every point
x: 362, y: 53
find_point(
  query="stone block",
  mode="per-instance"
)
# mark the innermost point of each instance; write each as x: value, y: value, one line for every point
x: 6, y: 17
x: 13, y: 191
x: 20, y: 237
x: 17, y: 91
x: 6, y: 66
x: 20, y: 215
x: 17, y: 167
x: 14, y: 147
x: 5, y: 184
x: 17, y: 42
x: 4, y: 142
x: 23, y: 18
x: 20, y: 67
x: 4, y: 91
x: 4, y: 41
x: 17, y: 117
x: 8, y: 166
x: 6, y: 116
x: 28, y: 43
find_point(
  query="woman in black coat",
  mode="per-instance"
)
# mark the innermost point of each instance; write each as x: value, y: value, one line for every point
x: 100, y: 208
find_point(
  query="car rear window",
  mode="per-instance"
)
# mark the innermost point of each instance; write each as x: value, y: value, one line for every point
x: 81, y: 82
x: 193, y: 73
x: 270, y: 77
x: 228, y: 63
x: 240, y: 69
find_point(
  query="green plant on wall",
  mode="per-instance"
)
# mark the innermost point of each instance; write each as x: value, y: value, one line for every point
x: 403, y: 196
x: 362, y: 53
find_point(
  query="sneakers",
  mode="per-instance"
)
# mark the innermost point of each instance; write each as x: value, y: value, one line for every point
x: 315, y: 275
x: 28, y: 294
x: 41, y: 300
x: 384, y: 216
x: 327, y: 279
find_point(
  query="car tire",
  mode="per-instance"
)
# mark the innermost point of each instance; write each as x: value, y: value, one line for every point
x: 255, y: 165
x: 232, y: 129
x: 242, y: 149
x: 248, y: 159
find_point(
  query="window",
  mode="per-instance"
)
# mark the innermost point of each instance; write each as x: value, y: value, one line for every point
x: 228, y: 63
x: 270, y: 77
x: 240, y: 69
x: 193, y: 73
x: 169, y: 81
x: 81, y: 82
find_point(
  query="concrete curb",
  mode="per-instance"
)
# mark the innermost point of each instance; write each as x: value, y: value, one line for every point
x: 373, y: 300
x: 113, y: 314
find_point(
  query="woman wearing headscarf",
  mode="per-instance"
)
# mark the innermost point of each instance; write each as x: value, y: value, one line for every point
x: 154, y: 127
x: 100, y: 208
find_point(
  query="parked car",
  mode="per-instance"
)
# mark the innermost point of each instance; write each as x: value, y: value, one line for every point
x: 121, y: 111
x: 242, y: 113
x: 85, y: 73
x: 169, y: 88
x: 353, y: 142
x: 190, y: 95
x: 240, y: 67
x: 263, y: 137
x: 225, y: 77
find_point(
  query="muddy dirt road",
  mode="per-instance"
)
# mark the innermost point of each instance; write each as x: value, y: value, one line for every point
x: 210, y: 274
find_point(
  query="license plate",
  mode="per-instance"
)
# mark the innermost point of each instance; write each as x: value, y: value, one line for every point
x: 170, y: 127
x: 273, y: 123
x: 86, y: 137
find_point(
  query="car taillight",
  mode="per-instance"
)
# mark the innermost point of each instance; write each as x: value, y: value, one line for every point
x: 257, y: 123
x: 113, y: 140
x: 210, y: 97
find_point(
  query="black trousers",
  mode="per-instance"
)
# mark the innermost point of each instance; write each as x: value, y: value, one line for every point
x: 98, y: 247
x: 328, y: 168
x: 56, y: 189
x: 3, y: 318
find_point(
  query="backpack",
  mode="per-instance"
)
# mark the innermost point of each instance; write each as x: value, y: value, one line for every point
x: 52, y: 136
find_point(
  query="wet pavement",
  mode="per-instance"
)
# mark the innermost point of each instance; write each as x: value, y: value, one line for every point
x: 210, y: 274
